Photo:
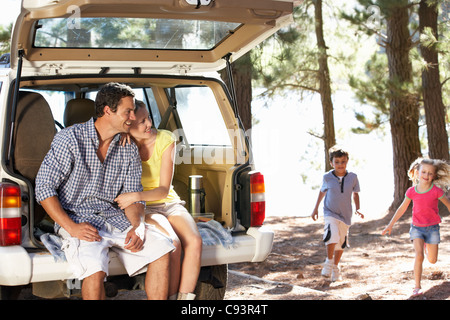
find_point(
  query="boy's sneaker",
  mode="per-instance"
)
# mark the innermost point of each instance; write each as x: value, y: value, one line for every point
x: 336, y: 274
x: 327, y: 269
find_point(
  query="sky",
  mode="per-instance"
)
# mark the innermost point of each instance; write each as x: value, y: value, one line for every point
x: 9, y: 12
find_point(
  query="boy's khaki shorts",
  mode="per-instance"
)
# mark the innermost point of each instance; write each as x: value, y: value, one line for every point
x: 335, y: 231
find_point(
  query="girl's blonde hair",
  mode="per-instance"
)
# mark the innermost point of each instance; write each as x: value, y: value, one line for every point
x: 442, y: 179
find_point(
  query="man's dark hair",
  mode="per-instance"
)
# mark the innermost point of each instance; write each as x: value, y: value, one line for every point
x: 110, y: 95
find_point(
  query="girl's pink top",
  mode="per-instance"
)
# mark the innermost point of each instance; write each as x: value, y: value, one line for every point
x: 425, y: 206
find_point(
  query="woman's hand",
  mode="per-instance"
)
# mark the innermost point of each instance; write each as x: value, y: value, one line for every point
x: 124, y: 139
x: 126, y: 199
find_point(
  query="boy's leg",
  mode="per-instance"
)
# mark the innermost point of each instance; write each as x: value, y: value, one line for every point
x: 337, y: 256
x: 330, y: 251
x: 328, y: 265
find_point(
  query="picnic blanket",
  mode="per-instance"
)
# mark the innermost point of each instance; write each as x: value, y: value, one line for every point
x: 212, y: 233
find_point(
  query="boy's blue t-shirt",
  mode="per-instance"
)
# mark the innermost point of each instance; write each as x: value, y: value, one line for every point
x: 338, y: 198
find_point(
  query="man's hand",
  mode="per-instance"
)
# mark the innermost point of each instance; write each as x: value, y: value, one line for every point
x: 84, y: 231
x: 135, y: 238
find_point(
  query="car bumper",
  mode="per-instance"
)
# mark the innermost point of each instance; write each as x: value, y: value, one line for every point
x: 20, y: 267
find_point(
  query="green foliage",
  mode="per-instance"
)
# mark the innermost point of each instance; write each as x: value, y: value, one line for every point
x: 372, y: 91
x: 5, y: 36
x: 373, y: 88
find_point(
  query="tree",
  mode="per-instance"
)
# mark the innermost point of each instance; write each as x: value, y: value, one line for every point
x: 400, y: 90
x: 431, y: 85
x: 404, y: 107
x: 242, y: 75
x: 324, y: 83
x: 299, y: 61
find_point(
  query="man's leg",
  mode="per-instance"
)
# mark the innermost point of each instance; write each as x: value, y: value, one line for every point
x: 157, y: 279
x: 93, y: 287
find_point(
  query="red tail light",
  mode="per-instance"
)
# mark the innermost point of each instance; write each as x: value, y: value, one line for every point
x: 10, y: 215
x: 257, y: 199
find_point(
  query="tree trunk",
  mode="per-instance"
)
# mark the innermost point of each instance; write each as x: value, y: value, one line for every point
x: 242, y: 76
x: 324, y: 83
x: 404, y: 111
x: 431, y: 87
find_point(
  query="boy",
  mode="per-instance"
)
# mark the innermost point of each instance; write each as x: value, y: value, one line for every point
x: 338, y: 186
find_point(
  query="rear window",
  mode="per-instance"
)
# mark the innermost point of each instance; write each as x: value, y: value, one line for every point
x: 134, y: 33
x: 200, y: 117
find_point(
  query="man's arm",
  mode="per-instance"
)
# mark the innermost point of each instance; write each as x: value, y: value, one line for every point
x: 135, y: 237
x: 82, y: 231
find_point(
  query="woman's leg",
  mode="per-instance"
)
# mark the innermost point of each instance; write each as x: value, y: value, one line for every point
x: 191, y: 241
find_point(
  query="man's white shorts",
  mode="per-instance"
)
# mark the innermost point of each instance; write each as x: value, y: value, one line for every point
x: 87, y: 258
x: 335, y: 231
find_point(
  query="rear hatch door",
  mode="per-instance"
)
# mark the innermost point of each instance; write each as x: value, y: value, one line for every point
x: 152, y: 37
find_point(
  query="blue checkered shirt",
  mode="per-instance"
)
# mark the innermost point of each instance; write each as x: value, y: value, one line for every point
x: 85, y: 186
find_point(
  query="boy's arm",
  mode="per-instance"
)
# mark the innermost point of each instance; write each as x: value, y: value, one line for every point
x: 315, y: 213
x: 357, y: 204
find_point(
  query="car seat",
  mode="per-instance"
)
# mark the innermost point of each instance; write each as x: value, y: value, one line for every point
x: 78, y: 110
x: 33, y: 134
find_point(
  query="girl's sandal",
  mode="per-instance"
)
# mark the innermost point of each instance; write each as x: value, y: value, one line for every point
x: 417, y: 292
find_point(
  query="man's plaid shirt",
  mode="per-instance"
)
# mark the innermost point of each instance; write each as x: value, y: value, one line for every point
x: 86, y: 187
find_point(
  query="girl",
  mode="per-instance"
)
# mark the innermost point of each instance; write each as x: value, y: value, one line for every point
x: 428, y: 176
x: 157, y: 151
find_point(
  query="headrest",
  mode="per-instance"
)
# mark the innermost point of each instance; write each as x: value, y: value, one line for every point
x: 78, y: 110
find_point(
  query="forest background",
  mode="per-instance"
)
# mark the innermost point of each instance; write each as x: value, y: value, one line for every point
x: 371, y: 76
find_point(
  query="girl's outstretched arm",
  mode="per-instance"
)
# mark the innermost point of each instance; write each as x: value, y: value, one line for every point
x: 398, y: 214
x: 445, y: 201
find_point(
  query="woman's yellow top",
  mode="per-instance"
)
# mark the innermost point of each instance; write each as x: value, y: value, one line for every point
x: 152, y: 167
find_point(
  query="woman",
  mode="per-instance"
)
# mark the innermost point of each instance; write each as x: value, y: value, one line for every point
x: 157, y: 151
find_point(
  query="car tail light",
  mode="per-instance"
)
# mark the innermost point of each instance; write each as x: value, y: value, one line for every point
x: 10, y: 215
x: 257, y: 199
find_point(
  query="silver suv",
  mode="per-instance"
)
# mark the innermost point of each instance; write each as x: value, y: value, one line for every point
x: 169, y: 52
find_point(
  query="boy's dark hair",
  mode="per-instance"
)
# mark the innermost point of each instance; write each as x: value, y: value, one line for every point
x: 110, y: 95
x: 337, y: 152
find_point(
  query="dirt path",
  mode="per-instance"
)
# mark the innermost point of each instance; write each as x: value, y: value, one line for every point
x: 374, y: 267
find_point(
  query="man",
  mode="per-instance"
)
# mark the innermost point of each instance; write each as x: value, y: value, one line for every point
x: 84, y: 171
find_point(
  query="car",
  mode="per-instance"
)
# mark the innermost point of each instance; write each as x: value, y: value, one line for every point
x: 169, y: 52
x: 4, y: 60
